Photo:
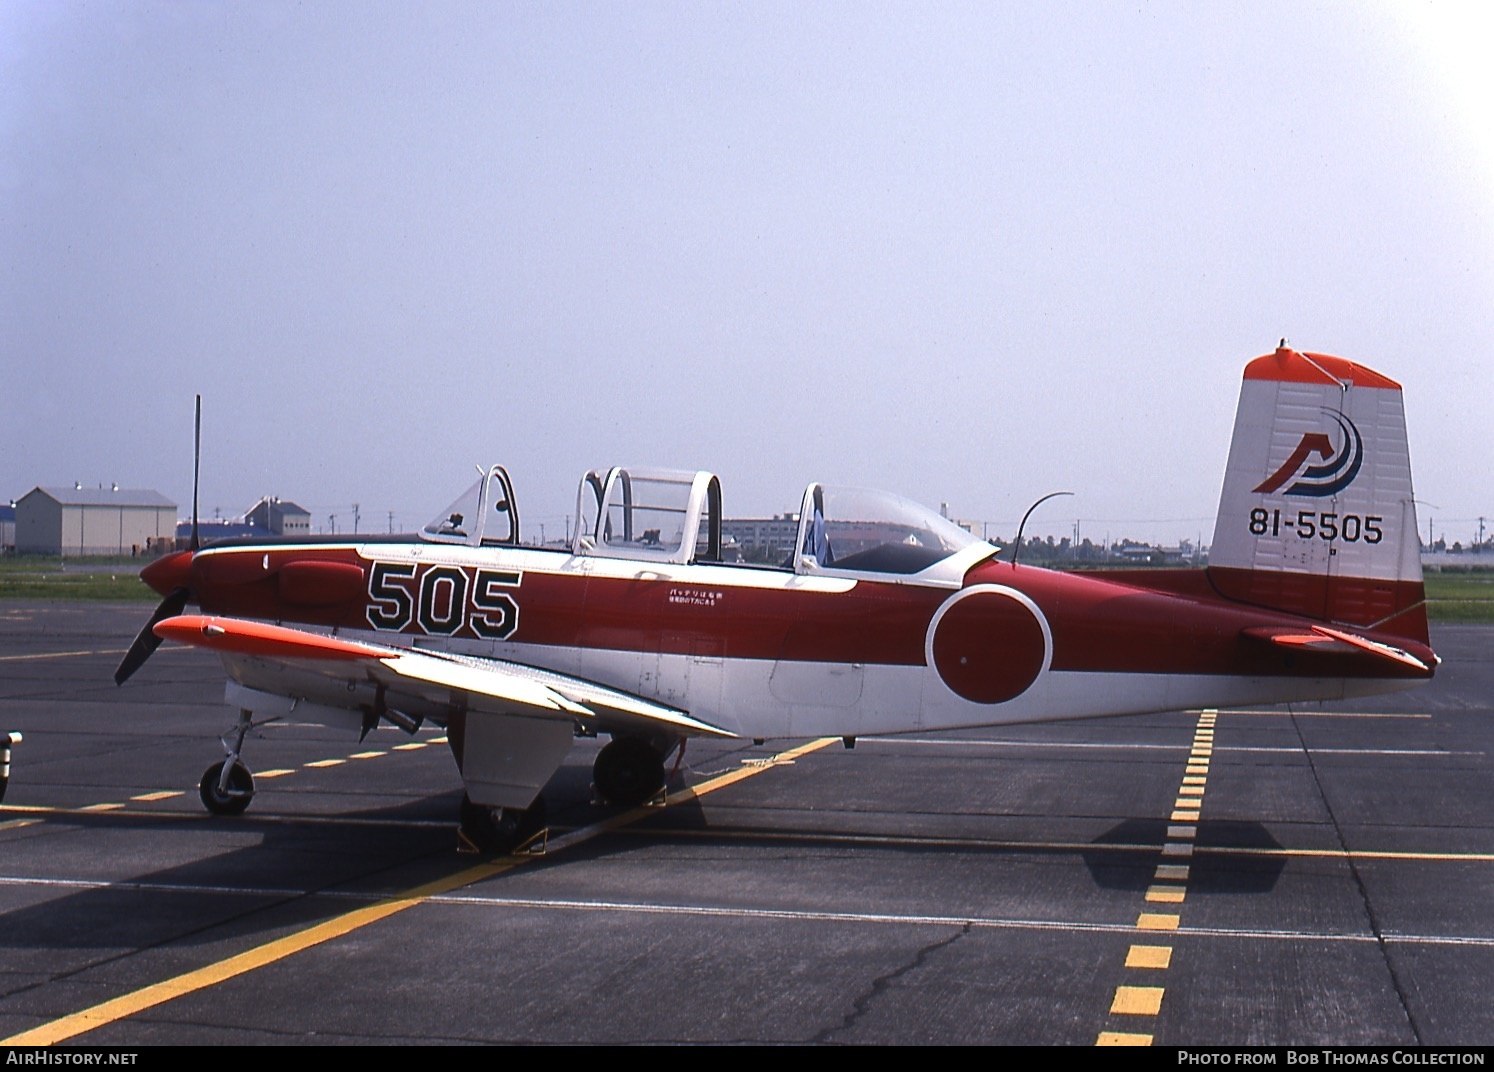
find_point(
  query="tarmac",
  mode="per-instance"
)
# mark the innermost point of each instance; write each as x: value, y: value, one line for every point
x: 1313, y: 876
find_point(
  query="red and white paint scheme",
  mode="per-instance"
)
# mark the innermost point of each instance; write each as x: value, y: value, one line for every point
x: 887, y: 618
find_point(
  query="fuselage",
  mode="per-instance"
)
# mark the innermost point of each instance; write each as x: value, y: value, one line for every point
x: 769, y: 652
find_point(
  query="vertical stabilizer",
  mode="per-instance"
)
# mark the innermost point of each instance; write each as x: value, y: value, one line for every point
x: 1317, y: 515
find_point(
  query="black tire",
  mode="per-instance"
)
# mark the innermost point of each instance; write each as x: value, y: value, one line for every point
x: 240, y: 789
x: 628, y: 772
x: 499, y: 830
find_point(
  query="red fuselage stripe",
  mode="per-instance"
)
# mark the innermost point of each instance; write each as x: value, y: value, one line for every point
x: 1097, y: 624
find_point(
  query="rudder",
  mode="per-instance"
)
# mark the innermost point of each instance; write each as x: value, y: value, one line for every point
x: 1317, y: 515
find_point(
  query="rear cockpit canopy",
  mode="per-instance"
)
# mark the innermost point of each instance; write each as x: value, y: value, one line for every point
x: 861, y: 530
x: 667, y: 515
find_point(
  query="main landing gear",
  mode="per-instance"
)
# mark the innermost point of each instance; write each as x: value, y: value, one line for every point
x: 628, y: 771
x: 227, y: 787
x: 498, y: 830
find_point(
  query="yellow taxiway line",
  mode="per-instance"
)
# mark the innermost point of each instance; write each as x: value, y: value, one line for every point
x: 108, y: 1012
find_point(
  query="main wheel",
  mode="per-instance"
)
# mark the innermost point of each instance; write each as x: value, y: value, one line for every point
x: 240, y: 789
x: 628, y: 771
x: 498, y: 830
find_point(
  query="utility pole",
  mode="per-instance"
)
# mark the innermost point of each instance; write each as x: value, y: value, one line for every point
x: 356, y: 515
x: 333, y: 518
x: 391, y: 522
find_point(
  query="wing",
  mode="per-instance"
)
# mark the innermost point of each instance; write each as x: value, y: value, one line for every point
x: 511, y: 725
x: 351, y: 674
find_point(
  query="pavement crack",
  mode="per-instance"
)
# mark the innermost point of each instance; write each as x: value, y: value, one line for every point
x: 1364, y: 894
x: 863, y: 1002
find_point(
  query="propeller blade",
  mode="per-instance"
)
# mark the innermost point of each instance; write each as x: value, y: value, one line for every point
x: 146, y: 641
x: 196, y: 469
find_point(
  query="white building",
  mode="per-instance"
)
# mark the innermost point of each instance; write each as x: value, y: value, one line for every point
x: 92, y: 521
x: 280, y: 516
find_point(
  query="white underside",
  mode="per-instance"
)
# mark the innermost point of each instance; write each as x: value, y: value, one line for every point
x: 766, y: 698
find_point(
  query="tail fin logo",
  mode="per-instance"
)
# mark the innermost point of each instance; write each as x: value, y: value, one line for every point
x: 1332, y: 475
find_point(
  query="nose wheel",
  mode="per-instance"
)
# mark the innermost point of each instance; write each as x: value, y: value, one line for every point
x: 226, y: 788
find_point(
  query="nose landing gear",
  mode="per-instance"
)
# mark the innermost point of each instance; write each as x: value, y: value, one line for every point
x: 227, y: 787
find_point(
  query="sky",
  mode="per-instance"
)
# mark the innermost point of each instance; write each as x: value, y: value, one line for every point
x: 972, y: 253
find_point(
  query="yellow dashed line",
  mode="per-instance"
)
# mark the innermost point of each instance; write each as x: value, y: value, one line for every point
x: 102, y: 807
x: 56, y: 655
x: 279, y: 772
x: 327, y: 763
x: 165, y: 794
x: 1157, y: 921
x: 1137, y: 1000
x: 1149, y: 956
x: 16, y: 824
x: 1169, y: 887
x: 1122, y: 1038
x: 366, y: 755
x: 409, y: 747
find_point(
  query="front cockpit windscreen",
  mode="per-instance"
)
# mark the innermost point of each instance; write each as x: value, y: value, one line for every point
x: 876, y: 531
x: 456, y: 523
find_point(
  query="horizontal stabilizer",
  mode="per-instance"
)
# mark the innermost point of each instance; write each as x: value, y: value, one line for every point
x: 1325, y: 640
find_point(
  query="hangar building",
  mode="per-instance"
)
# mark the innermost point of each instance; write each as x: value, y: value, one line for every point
x: 280, y: 516
x: 92, y: 521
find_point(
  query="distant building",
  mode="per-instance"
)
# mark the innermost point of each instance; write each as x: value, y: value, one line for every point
x: 92, y: 521
x: 7, y: 528
x: 762, y: 539
x: 281, y: 517
x: 208, y: 531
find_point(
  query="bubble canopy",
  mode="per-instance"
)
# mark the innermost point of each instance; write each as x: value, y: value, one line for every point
x: 867, y: 530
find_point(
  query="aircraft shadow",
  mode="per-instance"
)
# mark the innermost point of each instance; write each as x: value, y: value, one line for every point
x: 1117, y: 869
x: 299, y: 870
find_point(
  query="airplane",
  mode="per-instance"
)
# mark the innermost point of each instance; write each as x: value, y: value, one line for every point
x: 885, y: 619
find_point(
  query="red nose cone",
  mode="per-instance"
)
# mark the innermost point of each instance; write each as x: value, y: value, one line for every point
x: 168, y: 573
